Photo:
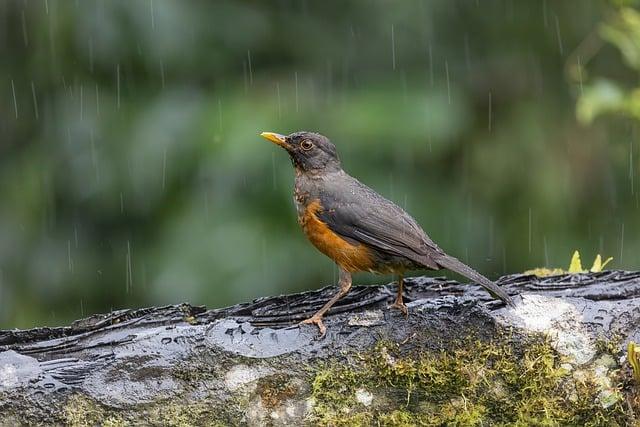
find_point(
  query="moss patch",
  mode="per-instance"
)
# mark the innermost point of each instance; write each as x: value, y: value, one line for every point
x: 274, y: 390
x: 478, y: 384
x: 80, y: 411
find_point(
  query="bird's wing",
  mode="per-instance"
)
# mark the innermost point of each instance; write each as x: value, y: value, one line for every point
x: 360, y: 214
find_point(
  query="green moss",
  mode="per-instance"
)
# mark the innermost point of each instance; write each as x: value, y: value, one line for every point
x: 182, y: 414
x: 478, y: 384
x: 80, y: 411
x: 274, y: 390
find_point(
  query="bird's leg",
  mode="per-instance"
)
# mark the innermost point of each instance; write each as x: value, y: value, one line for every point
x: 399, y: 304
x: 345, y: 285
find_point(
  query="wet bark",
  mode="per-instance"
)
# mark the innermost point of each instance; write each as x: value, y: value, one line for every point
x: 251, y: 363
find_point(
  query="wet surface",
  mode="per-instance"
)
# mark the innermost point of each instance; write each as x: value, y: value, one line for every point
x: 136, y: 356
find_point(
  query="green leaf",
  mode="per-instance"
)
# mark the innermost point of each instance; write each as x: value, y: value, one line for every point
x: 624, y: 33
x: 603, y: 96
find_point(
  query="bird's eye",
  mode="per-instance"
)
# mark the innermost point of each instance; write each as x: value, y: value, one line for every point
x: 306, y: 145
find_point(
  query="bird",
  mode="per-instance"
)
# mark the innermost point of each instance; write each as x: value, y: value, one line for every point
x: 357, y: 228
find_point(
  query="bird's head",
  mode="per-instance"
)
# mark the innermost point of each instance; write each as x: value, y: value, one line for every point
x: 309, y: 152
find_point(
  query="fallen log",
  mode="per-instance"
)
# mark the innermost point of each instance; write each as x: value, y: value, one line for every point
x: 559, y: 357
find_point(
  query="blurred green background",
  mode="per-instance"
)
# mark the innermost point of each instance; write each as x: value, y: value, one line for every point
x: 131, y: 171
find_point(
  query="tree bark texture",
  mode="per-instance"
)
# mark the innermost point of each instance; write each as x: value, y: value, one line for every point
x: 559, y: 357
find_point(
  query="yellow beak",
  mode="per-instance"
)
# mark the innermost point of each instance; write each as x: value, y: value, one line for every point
x: 276, y: 138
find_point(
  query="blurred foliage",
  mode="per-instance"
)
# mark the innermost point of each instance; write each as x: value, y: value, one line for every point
x: 605, y: 95
x: 131, y: 172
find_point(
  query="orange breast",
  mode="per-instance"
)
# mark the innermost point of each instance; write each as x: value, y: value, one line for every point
x: 351, y: 257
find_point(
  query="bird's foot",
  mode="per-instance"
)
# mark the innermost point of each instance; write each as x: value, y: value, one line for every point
x: 315, y: 320
x: 400, y: 306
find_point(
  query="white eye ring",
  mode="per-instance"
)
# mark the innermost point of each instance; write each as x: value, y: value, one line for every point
x: 306, y: 145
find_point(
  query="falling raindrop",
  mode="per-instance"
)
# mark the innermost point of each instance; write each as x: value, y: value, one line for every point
x: 153, y: 19
x: 118, y: 86
x: 580, y: 76
x: 164, y: 168
x: 94, y: 157
x: 81, y: 103
x: 546, y: 251
x: 296, y: 79
x: 35, y: 100
x: 446, y: 69
x: 263, y: 256
x: 621, y: 241
x: 144, y: 275
x: 206, y: 205
x: 162, y: 73
x: 329, y: 88
x: 75, y: 235
x: 91, y: 54
x: 467, y: 54
x: 601, y: 244
x: 429, y: 135
x: 15, y: 101
x: 250, y: 68
x: 491, y: 237
x: 70, y: 261
x: 558, y: 34
x: 121, y: 203
x: 509, y: 11
x: 631, y: 165
x: 25, y: 36
x: 273, y: 170
x: 220, y: 115
x: 490, y: 112
x: 279, y: 102
x: 244, y: 76
x: 468, y: 213
x: 129, y: 273
x: 504, y: 260
x: 393, y: 47
x: 97, y: 101
x: 530, y: 229
x: 430, y: 64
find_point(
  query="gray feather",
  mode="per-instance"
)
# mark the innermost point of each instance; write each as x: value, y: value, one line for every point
x: 453, y: 264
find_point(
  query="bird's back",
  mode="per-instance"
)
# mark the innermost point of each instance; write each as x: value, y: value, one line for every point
x: 360, y: 215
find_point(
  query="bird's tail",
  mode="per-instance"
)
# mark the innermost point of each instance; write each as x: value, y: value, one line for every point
x: 453, y: 264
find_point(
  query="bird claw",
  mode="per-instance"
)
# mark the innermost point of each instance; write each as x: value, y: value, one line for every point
x: 400, y: 306
x: 315, y: 320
